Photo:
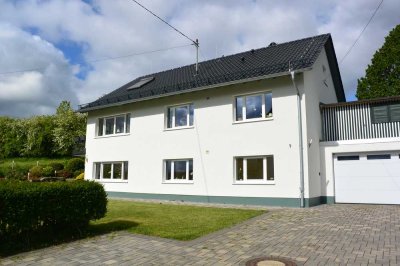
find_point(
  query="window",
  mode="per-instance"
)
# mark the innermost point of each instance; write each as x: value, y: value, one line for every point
x: 257, y: 106
x: 114, y: 125
x: 180, y: 116
x: 385, y: 113
x: 254, y: 169
x: 348, y: 158
x: 378, y: 157
x: 111, y: 171
x: 178, y: 170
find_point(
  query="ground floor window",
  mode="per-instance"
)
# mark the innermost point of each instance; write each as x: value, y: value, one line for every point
x: 180, y: 170
x: 254, y: 169
x: 111, y: 170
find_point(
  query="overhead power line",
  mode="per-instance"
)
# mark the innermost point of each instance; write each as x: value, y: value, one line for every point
x: 99, y: 60
x: 359, y: 36
x: 151, y: 12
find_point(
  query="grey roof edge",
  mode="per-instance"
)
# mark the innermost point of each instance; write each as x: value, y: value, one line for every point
x: 280, y: 74
x: 335, y: 72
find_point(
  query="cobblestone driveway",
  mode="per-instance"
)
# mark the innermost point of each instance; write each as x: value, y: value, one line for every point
x: 324, y: 235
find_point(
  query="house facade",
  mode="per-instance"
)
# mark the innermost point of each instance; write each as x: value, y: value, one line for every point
x: 247, y: 128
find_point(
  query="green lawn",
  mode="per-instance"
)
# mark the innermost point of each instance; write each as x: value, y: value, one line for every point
x: 181, y: 222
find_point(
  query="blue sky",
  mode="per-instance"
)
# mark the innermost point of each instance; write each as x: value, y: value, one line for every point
x: 58, y: 39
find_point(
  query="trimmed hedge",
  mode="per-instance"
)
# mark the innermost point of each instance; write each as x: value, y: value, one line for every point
x: 28, y: 207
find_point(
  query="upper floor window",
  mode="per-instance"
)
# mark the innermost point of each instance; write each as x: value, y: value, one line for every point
x: 113, y: 125
x: 385, y: 113
x: 111, y: 171
x: 180, y: 170
x: 255, y: 106
x: 180, y: 116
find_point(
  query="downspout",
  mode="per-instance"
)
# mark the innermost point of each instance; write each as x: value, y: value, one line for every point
x: 300, y: 123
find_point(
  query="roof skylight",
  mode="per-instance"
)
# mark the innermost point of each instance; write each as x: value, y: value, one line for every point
x: 141, y: 82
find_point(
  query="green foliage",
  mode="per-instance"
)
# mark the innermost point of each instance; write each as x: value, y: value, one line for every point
x: 64, y: 173
x: 77, y: 173
x: 80, y: 176
x: 46, y: 136
x: 68, y: 127
x: 36, y: 172
x: 75, y: 164
x: 48, y: 171
x: 15, y: 174
x: 27, y: 207
x: 382, y: 76
x: 57, y: 166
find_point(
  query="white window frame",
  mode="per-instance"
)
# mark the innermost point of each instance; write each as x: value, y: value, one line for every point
x: 252, y: 181
x: 115, y: 125
x: 177, y: 181
x: 173, y: 127
x: 112, y: 179
x: 244, y: 96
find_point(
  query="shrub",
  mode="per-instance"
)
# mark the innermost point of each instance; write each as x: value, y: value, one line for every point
x: 78, y: 172
x: 48, y: 171
x: 57, y: 166
x: 75, y: 164
x: 2, y: 174
x: 15, y: 174
x: 36, y: 172
x: 27, y: 207
x: 80, y: 177
x: 64, y: 173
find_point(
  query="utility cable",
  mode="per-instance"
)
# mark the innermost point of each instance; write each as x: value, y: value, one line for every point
x: 359, y: 36
x: 101, y: 59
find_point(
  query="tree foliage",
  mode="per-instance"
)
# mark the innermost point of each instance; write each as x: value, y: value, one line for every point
x: 382, y: 76
x: 41, y: 136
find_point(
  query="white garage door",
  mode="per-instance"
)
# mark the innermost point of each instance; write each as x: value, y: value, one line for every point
x: 367, y: 178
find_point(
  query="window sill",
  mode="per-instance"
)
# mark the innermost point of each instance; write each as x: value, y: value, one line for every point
x: 113, y: 135
x: 177, y: 182
x: 111, y: 181
x: 178, y: 128
x: 254, y: 183
x: 253, y: 120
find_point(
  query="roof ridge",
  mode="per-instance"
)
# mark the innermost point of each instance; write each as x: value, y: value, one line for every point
x: 236, y: 54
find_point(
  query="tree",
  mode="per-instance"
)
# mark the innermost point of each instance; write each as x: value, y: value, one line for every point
x: 382, y: 76
x: 39, y: 136
x: 68, y: 127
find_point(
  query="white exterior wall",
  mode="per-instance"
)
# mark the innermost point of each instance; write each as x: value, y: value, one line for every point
x: 213, y: 143
x: 328, y: 149
x: 319, y: 88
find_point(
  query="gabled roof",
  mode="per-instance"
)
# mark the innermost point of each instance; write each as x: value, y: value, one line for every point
x: 271, y: 60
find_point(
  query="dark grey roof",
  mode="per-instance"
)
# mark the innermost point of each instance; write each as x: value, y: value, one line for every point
x: 274, y: 59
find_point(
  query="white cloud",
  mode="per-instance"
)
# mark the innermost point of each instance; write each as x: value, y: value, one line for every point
x: 44, y: 87
x: 114, y: 28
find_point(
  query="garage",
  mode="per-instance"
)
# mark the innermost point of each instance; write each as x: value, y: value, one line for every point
x: 367, y: 178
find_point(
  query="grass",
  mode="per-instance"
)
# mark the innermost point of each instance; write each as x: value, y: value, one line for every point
x: 181, y: 222
x: 27, y: 163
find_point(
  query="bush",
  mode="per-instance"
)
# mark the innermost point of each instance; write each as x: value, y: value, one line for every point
x: 48, y: 171
x: 78, y: 172
x: 64, y: 173
x: 57, y: 166
x: 80, y: 177
x: 36, y: 172
x: 15, y: 174
x: 27, y: 207
x: 75, y: 164
x: 2, y: 174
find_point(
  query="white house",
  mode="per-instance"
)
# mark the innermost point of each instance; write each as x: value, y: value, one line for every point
x: 249, y: 128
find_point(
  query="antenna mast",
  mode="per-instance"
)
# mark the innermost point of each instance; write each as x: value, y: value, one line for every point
x: 196, y: 43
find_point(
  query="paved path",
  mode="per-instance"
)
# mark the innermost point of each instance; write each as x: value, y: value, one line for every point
x: 324, y: 235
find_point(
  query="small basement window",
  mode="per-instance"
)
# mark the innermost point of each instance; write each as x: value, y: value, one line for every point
x: 141, y: 82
